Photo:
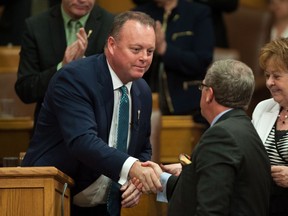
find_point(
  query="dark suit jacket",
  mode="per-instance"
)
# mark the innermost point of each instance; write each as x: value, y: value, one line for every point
x: 43, y: 47
x: 229, y: 174
x: 190, y: 44
x: 74, y: 124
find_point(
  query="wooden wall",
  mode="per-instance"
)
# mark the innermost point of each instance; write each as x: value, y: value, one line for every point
x: 116, y: 6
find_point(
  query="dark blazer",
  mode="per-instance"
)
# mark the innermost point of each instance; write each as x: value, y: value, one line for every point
x: 74, y: 124
x: 43, y: 47
x: 229, y: 173
x: 190, y: 44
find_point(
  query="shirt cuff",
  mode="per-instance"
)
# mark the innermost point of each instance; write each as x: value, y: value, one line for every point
x: 162, y: 195
x: 125, y: 170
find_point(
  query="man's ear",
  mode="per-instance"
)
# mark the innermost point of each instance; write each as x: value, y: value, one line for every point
x: 209, y: 95
x: 111, y: 43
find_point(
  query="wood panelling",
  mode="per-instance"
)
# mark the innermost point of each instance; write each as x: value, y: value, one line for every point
x: 116, y: 6
x: 179, y: 134
x: 33, y: 191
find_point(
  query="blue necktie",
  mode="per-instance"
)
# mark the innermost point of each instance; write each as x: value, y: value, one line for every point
x: 114, y: 196
x: 123, y: 120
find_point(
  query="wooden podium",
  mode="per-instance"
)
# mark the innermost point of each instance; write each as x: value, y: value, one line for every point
x: 34, y: 191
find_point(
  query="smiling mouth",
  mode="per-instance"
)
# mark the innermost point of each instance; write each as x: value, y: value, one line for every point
x: 274, y: 91
x: 140, y: 67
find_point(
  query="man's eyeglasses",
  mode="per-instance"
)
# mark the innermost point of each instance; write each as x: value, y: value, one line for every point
x: 201, y: 86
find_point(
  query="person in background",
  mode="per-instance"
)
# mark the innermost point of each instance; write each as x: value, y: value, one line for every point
x: 49, y: 43
x: 12, y: 16
x: 184, y: 49
x: 218, y: 8
x: 78, y: 127
x: 271, y: 122
x: 279, y: 10
x: 228, y: 172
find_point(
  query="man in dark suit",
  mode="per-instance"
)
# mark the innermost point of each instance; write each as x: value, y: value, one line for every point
x: 77, y: 126
x: 184, y: 48
x: 45, y: 48
x: 229, y: 170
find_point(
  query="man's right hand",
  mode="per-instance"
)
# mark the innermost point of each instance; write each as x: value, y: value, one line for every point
x: 147, y: 176
x: 77, y: 49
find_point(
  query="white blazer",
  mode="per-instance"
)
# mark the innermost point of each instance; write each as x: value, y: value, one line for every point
x: 264, y: 117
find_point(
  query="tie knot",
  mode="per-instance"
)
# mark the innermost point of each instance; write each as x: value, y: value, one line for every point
x: 73, y: 27
x: 124, y: 90
x: 74, y: 24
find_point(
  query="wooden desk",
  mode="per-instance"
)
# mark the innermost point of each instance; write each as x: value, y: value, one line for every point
x: 33, y: 191
x: 148, y: 206
x: 15, y: 134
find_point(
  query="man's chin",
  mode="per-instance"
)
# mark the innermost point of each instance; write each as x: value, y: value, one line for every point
x: 138, y: 75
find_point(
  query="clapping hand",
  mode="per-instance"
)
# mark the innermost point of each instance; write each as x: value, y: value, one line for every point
x: 77, y: 49
x: 161, y: 44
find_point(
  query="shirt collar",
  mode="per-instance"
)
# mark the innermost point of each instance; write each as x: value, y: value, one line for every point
x: 218, y: 116
x: 117, y: 83
x: 67, y: 18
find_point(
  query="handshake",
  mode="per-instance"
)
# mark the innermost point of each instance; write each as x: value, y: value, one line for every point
x: 145, y: 178
x: 148, y: 174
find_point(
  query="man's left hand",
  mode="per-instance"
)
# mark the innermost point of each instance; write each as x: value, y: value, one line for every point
x: 131, y: 195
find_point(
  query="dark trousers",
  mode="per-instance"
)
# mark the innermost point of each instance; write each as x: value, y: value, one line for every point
x: 100, y: 210
x: 278, y: 201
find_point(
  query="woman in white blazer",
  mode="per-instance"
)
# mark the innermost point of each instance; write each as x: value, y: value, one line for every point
x: 270, y: 119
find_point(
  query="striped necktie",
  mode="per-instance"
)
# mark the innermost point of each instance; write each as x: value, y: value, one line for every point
x: 73, y: 27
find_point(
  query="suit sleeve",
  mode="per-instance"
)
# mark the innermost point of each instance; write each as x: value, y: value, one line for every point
x: 172, y: 181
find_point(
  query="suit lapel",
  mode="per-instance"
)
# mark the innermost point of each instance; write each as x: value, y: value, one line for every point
x: 93, y: 24
x: 57, y: 31
x: 266, y: 122
x: 136, y: 107
x: 105, y: 88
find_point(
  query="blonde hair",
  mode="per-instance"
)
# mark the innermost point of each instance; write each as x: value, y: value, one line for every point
x: 276, y: 50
